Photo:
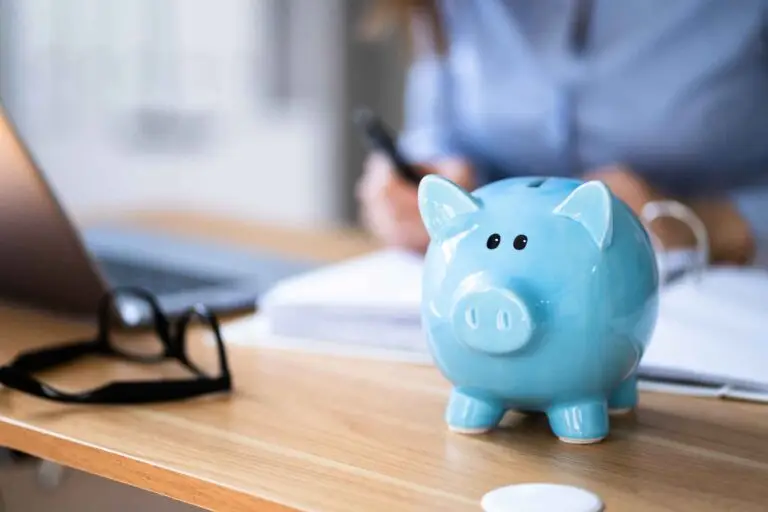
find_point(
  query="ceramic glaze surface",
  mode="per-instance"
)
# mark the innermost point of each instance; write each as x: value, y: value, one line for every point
x: 538, y: 295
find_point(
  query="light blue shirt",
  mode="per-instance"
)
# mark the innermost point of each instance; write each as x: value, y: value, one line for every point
x: 675, y: 89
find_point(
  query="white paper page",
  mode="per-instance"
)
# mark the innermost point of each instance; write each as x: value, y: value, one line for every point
x: 388, y: 280
x: 255, y: 331
x: 714, y: 329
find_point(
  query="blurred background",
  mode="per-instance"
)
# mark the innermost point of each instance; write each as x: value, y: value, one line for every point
x: 223, y: 107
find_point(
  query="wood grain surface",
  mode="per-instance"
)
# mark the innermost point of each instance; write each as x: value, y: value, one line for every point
x: 312, y: 432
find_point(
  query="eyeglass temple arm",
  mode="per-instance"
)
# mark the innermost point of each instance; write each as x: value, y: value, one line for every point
x: 128, y: 392
x: 47, y: 357
x: 157, y: 391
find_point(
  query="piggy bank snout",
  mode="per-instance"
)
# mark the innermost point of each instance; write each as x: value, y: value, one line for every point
x: 494, y: 321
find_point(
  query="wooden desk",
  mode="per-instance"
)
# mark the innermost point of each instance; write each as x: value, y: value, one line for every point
x: 316, y: 433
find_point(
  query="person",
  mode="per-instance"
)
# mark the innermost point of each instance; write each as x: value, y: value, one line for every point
x: 658, y: 99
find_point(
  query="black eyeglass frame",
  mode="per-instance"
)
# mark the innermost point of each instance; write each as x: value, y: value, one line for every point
x: 172, y: 335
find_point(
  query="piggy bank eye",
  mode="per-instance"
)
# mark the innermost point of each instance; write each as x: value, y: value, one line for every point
x: 493, y: 241
x: 520, y: 242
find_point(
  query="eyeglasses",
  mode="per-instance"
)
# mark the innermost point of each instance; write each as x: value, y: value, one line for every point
x: 172, y: 345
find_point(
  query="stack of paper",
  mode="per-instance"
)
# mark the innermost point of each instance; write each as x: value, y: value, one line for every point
x: 372, y: 301
x: 708, y: 339
x: 712, y: 336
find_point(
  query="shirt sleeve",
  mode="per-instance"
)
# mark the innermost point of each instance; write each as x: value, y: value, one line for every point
x: 427, y: 128
x: 752, y: 202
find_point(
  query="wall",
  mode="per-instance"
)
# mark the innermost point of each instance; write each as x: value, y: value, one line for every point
x: 150, y: 103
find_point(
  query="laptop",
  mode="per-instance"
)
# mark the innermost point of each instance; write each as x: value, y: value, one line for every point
x: 47, y: 263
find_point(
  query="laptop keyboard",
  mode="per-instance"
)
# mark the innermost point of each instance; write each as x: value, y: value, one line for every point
x: 157, y: 280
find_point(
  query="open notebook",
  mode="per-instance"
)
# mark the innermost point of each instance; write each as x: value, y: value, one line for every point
x: 711, y: 338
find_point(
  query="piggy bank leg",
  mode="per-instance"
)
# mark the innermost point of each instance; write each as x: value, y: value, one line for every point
x: 581, y: 422
x: 624, y: 397
x: 471, y: 413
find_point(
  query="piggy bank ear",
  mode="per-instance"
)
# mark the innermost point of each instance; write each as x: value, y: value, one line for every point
x: 591, y: 206
x: 440, y: 201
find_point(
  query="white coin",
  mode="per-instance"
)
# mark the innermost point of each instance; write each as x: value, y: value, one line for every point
x: 541, y: 497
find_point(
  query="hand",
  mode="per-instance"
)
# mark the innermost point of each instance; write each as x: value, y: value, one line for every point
x: 389, y: 205
x: 729, y: 235
x: 636, y: 192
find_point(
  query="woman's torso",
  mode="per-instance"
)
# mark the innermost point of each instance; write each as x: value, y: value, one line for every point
x: 678, y: 89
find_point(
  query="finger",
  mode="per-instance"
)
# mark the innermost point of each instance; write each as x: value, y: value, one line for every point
x: 381, y: 179
x: 377, y: 224
x: 387, y: 210
x: 402, y: 203
x: 386, y: 207
x: 390, y: 213
x: 410, y: 234
x: 415, y: 235
x: 394, y: 232
x: 376, y: 176
x: 395, y: 218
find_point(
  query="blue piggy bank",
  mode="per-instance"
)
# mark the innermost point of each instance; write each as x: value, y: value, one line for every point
x: 538, y: 295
